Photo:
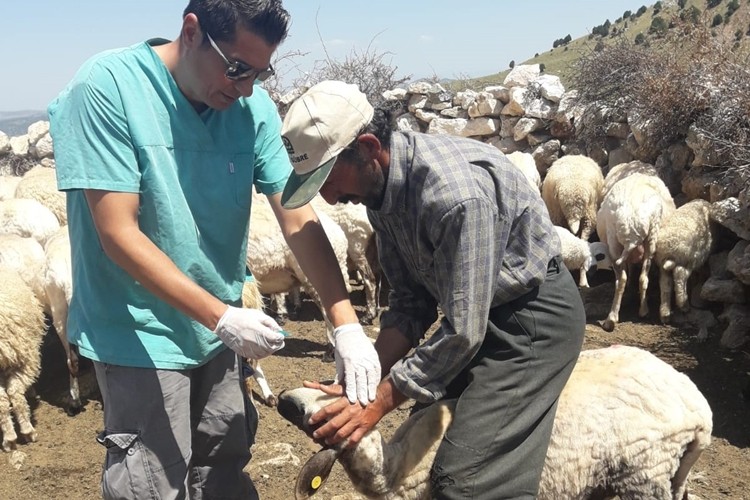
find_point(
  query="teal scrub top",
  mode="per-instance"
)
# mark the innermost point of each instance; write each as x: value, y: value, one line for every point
x: 122, y: 124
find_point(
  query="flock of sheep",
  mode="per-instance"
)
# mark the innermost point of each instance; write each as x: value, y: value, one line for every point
x: 645, y: 423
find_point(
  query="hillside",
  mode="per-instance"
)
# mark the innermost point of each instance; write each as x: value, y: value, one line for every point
x: 15, y: 123
x: 561, y: 60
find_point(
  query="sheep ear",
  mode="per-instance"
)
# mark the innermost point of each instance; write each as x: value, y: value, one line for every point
x: 315, y: 473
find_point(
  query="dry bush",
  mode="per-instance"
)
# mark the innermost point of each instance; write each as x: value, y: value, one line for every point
x: 687, y: 77
x: 11, y: 164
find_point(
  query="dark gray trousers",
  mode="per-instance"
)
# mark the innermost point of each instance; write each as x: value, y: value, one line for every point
x: 175, y: 434
x: 507, y: 396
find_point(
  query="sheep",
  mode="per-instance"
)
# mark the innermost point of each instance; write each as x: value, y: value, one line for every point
x: 627, y: 424
x: 40, y: 184
x: 272, y: 262
x: 622, y: 170
x: 21, y: 333
x: 582, y: 255
x: 8, y: 184
x: 628, y: 221
x: 525, y: 162
x: 26, y: 257
x: 686, y: 239
x: 572, y: 192
x: 27, y: 218
x: 58, y: 284
x: 359, y: 233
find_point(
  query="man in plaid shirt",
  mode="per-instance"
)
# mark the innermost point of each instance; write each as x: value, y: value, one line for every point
x: 458, y: 227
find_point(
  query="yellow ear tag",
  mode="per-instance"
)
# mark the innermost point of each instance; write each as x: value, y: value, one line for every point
x: 315, y: 483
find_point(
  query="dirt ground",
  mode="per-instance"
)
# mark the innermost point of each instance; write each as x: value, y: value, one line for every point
x: 65, y: 461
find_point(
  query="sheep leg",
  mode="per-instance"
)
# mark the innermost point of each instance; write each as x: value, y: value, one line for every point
x: 679, y: 481
x: 583, y: 281
x: 281, y: 312
x: 59, y: 309
x: 6, y: 422
x: 650, y: 249
x: 621, y: 280
x: 665, y: 288
x: 681, y: 276
x: 17, y: 397
x: 260, y: 378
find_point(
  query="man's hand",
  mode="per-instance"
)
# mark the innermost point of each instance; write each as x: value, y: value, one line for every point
x: 343, y: 420
x: 249, y: 332
x: 357, y: 363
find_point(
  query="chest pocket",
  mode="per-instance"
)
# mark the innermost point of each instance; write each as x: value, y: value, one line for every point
x: 241, y: 168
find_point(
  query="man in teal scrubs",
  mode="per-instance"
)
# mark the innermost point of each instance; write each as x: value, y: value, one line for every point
x: 158, y: 146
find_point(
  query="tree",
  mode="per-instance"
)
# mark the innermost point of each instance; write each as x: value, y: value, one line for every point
x: 567, y: 39
x: 639, y: 39
x: 512, y: 64
x: 657, y: 8
x: 541, y: 68
x: 626, y: 14
x: 712, y: 3
x: 658, y: 26
x: 641, y: 11
x: 718, y: 19
x: 681, y: 3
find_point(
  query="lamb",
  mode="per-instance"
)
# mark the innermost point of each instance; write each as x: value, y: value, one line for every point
x: 58, y: 284
x: 582, y: 255
x: 40, y: 184
x: 21, y: 333
x: 272, y: 262
x: 627, y: 424
x: 525, y: 162
x: 629, y: 220
x: 359, y: 233
x: 572, y: 191
x: 27, y: 218
x: 686, y: 239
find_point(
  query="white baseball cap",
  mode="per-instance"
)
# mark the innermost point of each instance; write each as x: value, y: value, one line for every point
x: 317, y: 127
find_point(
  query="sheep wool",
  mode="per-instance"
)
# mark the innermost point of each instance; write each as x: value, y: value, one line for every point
x: 572, y: 191
x: 40, y: 184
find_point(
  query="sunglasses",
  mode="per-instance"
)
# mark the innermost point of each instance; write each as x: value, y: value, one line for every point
x: 240, y: 71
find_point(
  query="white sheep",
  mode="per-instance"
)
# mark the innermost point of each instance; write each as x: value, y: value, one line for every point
x: 26, y: 257
x: 622, y: 170
x: 58, y: 284
x: 21, y: 333
x: 582, y: 255
x: 272, y: 262
x: 572, y: 191
x: 526, y: 164
x: 686, y: 239
x: 628, y: 222
x: 27, y: 218
x: 40, y: 184
x: 8, y: 184
x: 627, y: 424
x: 353, y: 220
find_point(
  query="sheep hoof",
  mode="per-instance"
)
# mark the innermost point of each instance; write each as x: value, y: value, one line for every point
x: 29, y: 435
x: 9, y: 443
x: 271, y: 401
x: 643, y: 312
x: 608, y: 325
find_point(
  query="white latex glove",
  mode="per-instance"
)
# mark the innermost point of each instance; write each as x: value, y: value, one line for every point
x: 249, y: 332
x: 357, y: 363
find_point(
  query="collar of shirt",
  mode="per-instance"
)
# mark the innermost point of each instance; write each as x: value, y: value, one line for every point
x: 402, y: 155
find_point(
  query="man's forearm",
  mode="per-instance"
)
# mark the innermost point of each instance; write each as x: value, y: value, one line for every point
x: 391, y: 346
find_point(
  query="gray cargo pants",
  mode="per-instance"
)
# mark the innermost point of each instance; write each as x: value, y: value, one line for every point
x: 175, y: 434
x: 507, y: 396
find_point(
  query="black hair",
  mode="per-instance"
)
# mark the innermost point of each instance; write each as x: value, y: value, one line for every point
x: 220, y: 18
x: 381, y: 126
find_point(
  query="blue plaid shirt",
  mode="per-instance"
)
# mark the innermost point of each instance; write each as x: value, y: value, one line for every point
x: 459, y: 227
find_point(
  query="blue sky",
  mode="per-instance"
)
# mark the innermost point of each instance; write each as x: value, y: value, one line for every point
x: 45, y: 41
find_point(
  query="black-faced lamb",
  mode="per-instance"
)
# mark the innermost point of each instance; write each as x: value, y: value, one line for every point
x: 572, y: 191
x: 21, y: 333
x: 686, y: 239
x: 627, y: 424
x: 628, y: 221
